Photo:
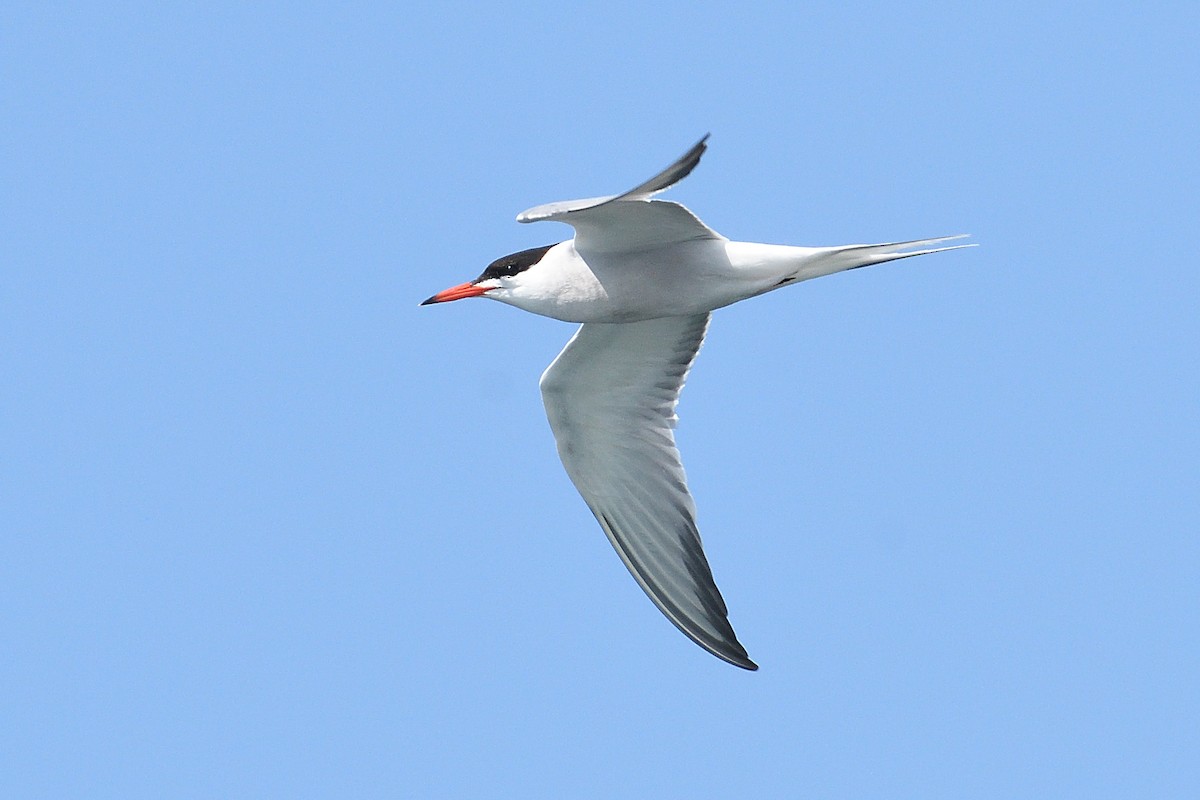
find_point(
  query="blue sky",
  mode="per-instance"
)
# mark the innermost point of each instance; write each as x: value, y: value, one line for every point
x: 272, y: 530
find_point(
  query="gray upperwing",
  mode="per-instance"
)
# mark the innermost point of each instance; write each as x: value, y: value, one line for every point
x: 679, y: 170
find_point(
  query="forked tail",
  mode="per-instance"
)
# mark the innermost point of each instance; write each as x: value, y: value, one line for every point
x: 817, y: 261
x: 853, y: 256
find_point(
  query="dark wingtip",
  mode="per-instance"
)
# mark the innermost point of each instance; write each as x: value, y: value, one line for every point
x: 429, y: 301
x: 689, y: 160
x: 741, y: 660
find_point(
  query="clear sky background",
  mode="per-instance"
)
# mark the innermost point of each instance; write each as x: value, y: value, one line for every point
x: 271, y: 530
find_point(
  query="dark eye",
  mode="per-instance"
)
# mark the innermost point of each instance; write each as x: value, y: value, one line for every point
x: 500, y: 269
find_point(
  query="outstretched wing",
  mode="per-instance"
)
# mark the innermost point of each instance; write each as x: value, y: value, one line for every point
x: 610, y: 397
x: 631, y: 220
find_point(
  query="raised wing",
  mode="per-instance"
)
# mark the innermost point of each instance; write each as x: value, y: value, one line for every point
x: 631, y: 220
x: 610, y: 396
x: 643, y: 191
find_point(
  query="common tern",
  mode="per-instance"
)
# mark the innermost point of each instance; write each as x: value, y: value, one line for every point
x: 643, y: 276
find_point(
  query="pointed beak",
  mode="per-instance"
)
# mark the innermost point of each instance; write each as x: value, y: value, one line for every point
x: 468, y: 289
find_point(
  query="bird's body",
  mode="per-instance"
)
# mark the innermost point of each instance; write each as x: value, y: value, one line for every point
x: 692, y: 277
x: 685, y: 278
x: 643, y: 276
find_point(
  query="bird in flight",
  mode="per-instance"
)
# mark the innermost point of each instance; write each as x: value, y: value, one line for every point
x: 644, y: 276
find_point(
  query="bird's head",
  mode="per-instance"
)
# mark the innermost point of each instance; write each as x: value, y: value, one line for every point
x: 498, y: 282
